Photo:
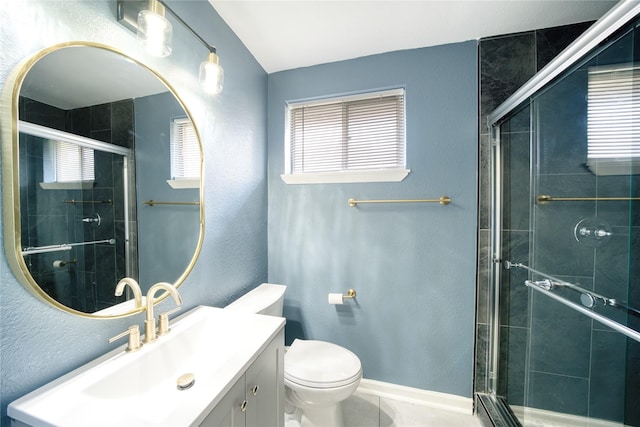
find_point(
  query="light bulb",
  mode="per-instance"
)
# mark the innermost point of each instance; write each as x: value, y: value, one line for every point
x: 155, y: 32
x: 211, y: 74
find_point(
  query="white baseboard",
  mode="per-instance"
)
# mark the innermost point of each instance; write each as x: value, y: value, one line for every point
x: 416, y: 396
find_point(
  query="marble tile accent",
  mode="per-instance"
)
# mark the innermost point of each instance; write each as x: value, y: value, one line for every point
x: 484, y: 174
x: 551, y: 41
x: 481, y: 383
x: 506, y: 63
x: 484, y: 276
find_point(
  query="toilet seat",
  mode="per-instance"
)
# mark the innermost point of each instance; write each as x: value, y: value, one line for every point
x: 319, y: 364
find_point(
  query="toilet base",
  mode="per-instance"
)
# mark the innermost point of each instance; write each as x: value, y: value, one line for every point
x: 322, y: 416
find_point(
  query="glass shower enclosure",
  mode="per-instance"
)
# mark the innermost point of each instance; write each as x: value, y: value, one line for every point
x: 566, y: 235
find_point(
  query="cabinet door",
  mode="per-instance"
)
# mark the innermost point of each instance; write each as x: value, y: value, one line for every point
x: 265, y: 387
x: 230, y: 412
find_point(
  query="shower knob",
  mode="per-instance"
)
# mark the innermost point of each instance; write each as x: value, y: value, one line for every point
x: 592, y: 232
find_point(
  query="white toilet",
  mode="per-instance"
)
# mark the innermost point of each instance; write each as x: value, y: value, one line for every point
x: 318, y: 375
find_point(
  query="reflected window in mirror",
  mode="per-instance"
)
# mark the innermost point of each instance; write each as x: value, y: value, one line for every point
x: 185, y: 154
x: 64, y: 162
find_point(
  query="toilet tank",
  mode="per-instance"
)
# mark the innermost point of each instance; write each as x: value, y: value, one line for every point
x: 268, y: 298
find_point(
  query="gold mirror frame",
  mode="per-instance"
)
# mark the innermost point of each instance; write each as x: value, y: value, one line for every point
x: 11, y: 175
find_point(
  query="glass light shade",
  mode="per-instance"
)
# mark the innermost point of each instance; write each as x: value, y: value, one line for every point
x: 211, y: 74
x: 155, y: 33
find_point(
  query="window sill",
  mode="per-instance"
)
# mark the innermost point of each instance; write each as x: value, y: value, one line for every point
x: 72, y: 185
x: 180, y: 184
x: 381, y: 175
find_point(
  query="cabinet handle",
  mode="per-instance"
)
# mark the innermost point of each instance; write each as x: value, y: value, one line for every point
x: 254, y: 389
x: 243, y: 406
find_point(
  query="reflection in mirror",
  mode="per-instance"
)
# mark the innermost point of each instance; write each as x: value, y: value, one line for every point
x: 73, y: 211
x: 95, y: 141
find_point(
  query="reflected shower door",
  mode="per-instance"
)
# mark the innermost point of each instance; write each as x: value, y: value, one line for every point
x: 74, y: 220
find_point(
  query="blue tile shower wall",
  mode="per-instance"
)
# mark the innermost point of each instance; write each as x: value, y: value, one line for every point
x: 550, y: 357
x: 527, y: 53
x: 572, y: 347
x: 413, y: 265
x: 39, y: 343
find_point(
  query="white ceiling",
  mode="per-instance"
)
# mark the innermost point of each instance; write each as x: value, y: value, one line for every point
x: 67, y: 78
x: 289, y: 34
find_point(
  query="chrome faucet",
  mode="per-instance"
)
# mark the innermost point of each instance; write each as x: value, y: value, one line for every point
x: 137, y: 293
x: 150, y: 322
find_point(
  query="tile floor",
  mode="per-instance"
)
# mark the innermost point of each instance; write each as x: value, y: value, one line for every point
x: 366, y: 410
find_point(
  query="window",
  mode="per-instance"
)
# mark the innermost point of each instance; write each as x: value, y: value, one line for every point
x: 68, y: 163
x: 613, y: 120
x: 185, y: 154
x: 358, y: 138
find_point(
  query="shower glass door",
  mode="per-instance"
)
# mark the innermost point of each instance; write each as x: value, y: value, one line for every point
x: 569, y: 291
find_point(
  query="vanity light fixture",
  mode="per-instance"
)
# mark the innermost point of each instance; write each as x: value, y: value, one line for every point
x: 211, y: 73
x: 154, y: 31
x: 147, y: 19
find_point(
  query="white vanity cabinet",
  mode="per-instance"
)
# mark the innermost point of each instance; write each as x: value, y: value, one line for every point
x: 257, y: 398
x: 235, y: 358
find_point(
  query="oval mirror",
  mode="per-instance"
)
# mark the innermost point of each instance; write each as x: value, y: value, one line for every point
x: 101, y: 179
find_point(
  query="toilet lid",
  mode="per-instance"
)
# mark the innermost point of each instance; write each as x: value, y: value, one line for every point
x: 320, y: 364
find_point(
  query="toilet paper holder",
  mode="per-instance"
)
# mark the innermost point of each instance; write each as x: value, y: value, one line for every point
x: 338, y: 298
x: 351, y: 293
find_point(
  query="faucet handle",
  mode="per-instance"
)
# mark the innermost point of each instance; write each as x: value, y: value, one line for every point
x: 133, y: 332
x: 163, y: 321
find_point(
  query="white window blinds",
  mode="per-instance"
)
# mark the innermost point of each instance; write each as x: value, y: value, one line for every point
x: 356, y: 133
x: 67, y: 162
x: 185, y: 150
x: 613, y: 120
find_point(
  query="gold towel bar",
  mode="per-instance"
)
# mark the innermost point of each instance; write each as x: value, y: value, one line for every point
x: 153, y: 203
x: 545, y: 198
x: 444, y: 200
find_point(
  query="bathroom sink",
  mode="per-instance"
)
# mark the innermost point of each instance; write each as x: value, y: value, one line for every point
x: 140, y: 388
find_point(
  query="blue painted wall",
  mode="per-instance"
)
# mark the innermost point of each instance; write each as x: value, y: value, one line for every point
x: 164, y: 252
x: 413, y: 265
x: 39, y: 343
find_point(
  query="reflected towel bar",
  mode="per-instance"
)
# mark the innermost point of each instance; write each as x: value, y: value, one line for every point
x: 73, y: 202
x: 444, y: 200
x: 153, y: 203
x: 545, y: 198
